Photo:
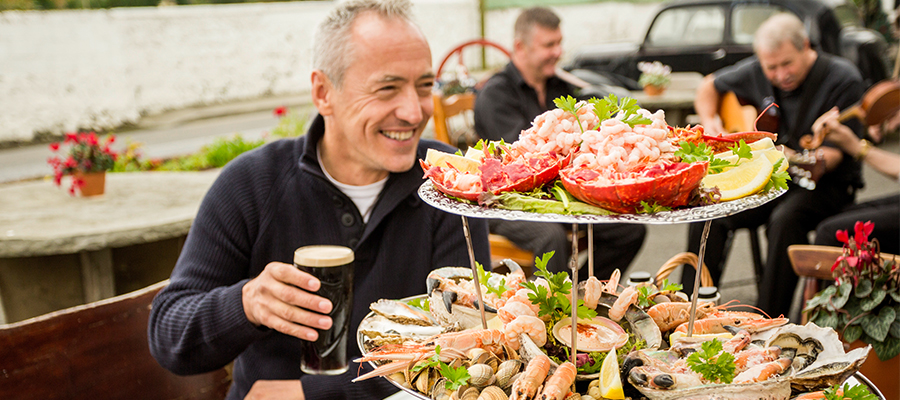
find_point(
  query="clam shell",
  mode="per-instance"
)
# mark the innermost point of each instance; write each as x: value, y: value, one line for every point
x: 401, y: 312
x: 507, y: 370
x: 439, y: 390
x: 492, y: 393
x: 481, y: 375
x: 470, y: 394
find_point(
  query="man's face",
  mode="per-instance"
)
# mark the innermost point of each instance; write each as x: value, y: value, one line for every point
x: 380, y: 111
x: 786, y: 67
x: 542, y: 52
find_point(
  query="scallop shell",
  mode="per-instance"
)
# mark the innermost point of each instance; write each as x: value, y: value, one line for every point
x: 401, y: 312
x: 439, y: 391
x: 492, y: 393
x: 481, y: 375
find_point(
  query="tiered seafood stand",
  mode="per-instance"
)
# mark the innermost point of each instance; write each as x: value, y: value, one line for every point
x: 780, y: 360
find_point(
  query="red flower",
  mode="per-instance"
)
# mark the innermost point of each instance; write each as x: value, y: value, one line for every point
x: 863, y: 230
x: 54, y: 146
x: 280, y: 111
x: 71, y: 138
x: 843, y: 237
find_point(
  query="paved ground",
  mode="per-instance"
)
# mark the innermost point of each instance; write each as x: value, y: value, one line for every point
x: 185, y: 131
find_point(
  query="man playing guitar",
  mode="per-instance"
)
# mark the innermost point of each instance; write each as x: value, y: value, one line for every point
x: 804, y: 84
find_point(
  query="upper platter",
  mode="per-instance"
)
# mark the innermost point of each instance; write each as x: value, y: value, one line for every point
x: 695, y: 214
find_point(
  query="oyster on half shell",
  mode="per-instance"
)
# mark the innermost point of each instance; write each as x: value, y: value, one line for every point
x: 597, y: 334
x: 401, y: 312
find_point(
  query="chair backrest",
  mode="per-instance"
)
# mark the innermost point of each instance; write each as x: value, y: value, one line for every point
x: 95, y: 351
x: 447, y: 107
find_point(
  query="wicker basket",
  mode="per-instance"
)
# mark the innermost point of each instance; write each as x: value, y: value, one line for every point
x: 678, y: 260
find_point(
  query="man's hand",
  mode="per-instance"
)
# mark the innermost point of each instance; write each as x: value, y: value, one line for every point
x: 281, y: 298
x: 706, y: 104
x: 836, y: 132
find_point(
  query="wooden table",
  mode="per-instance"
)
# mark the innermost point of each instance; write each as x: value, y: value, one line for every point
x: 677, y: 103
x: 43, y: 230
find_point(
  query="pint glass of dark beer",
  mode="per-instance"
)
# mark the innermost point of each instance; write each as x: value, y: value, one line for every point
x: 333, y: 266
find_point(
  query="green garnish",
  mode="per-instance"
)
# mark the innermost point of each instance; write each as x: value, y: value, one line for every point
x: 778, y: 180
x: 711, y: 362
x: 610, y: 106
x: 420, y: 303
x: 742, y: 150
x: 652, y: 208
x: 554, y: 302
x: 857, y: 392
x: 670, y: 286
x: 691, y: 152
x: 570, y: 105
x: 531, y: 202
x: 646, y: 293
x: 456, y: 376
x: 484, y: 276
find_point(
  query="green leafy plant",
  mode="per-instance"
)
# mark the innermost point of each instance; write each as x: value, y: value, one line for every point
x: 714, y: 364
x: 290, y: 123
x: 864, y: 302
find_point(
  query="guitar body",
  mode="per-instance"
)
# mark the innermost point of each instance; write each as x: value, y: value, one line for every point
x: 740, y: 116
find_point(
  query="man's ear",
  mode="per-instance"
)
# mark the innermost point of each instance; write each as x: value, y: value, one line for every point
x: 322, y: 92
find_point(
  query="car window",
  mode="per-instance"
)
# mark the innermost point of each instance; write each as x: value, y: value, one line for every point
x: 687, y: 26
x: 746, y: 18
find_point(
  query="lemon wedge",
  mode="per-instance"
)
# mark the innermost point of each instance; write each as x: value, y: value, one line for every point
x: 774, y: 155
x: 440, y: 159
x: 743, y: 180
x: 762, y: 144
x: 475, y: 154
x: 610, y: 382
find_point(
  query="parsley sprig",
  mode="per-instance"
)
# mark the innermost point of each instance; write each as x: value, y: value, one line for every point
x: 484, y: 276
x: 554, y: 302
x: 420, y: 303
x: 711, y: 362
x: 652, y: 208
x: 611, y: 105
x: 691, y: 152
x: 646, y: 293
x: 456, y: 376
x: 570, y: 105
x: 857, y: 392
x: 778, y: 180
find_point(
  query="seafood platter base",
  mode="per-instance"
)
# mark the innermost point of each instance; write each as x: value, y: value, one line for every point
x: 436, y: 199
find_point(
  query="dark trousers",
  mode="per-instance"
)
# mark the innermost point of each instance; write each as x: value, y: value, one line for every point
x: 788, y: 220
x: 615, y: 245
x: 883, y: 212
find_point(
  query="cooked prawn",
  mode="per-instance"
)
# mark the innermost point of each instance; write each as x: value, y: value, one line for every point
x: 628, y: 297
x: 671, y: 314
x: 558, y: 385
x: 527, y: 384
x: 612, y: 285
x: 513, y: 309
x: 592, y: 291
x: 717, y: 324
x: 525, y: 324
x: 764, y: 371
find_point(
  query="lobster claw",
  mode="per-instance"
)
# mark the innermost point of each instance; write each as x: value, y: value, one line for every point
x: 449, y: 298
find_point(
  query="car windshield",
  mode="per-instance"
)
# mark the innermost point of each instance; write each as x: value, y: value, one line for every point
x: 688, y: 26
x: 746, y: 18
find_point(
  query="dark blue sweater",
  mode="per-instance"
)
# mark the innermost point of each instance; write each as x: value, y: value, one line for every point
x: 264, y: 205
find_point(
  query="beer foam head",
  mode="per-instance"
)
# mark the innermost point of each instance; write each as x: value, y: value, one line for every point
x: 323, y: 256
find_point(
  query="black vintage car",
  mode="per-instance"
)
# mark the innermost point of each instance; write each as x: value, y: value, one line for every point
x: 706, y: 35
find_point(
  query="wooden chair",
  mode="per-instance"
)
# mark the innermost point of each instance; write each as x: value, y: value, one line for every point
x: 95, y: 351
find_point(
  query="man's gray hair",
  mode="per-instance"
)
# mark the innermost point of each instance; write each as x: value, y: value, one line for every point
x: 780, y: 28
x: 526, y: 21
x: 332, y: 47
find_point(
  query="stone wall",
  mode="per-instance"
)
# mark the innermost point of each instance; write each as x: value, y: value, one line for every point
x: 101, y: 69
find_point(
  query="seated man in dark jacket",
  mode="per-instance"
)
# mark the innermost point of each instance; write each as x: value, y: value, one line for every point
x: 351, y: 181
x: 507, y: 104
x: 805, y: 84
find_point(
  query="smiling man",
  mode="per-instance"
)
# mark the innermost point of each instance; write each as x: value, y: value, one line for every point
x: 350, y: 181
x: 805, y: 84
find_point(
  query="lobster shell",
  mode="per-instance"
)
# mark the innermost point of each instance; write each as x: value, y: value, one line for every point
x: 668, y: 185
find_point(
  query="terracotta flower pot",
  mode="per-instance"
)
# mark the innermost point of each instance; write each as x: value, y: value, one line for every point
x: 884, y: 374
x: 653, y: 90
x: 94, y: 183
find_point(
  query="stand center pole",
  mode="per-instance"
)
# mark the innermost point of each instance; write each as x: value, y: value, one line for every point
x: 465, y: 223
x: 696, y: 294
x: 574, y: 298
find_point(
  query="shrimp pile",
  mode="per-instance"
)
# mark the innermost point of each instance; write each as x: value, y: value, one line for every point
x: 617, y: 147
x: 556, y: 131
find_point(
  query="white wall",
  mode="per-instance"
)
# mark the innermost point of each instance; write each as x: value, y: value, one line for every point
x: 99, y: 69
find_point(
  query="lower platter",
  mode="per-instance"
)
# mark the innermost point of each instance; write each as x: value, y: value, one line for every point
x: 436, y: 199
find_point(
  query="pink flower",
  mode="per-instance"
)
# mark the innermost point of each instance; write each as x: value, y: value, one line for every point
x: 71, y: 138
x: 54, y: 146
x: 280, y: 111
